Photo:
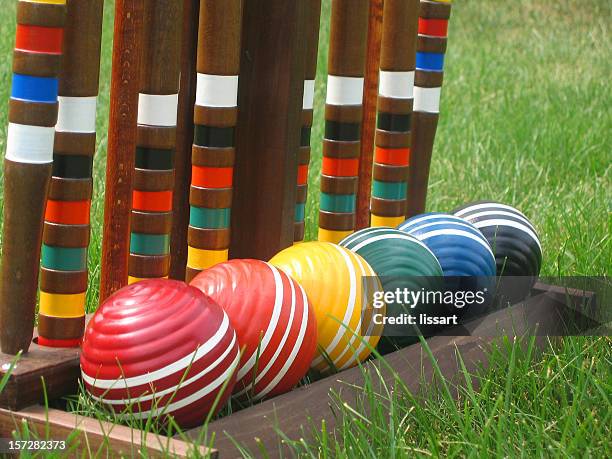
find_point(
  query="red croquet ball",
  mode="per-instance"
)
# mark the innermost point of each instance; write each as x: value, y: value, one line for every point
x: 160, y: 347
x: 274, y: 323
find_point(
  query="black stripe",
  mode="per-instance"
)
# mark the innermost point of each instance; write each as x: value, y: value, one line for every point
x: 394, y: 123
x: 154, y: 159
x: 346, y: 132
x: 216, y: 137
x: 305, y: 136
x: 72, y: 167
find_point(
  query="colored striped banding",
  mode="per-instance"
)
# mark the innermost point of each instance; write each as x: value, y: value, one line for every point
x: 340, y: 167
x: 72, y: 166
x: 76, y: 114
x: 431, y: 48
x: 212, y: 177
x: 204, y: 218
x: 427, y: 100
x: 433, y: 27
x: 154, y: 158
x: 344, y: 90
x: 396, y: 85
x: 337, y: 202
x: 29, y: 144
x: 326, y: 235
x: 38, y: 39
x: 392, y: 156
x: 157, y: 110
x: 66, y: 230
x: 217, y: 90
x: 34, y: 88
x: 152, y: 201
x: 395, y: 104
x: 64, y: 258
x: 214, y: 140
x: 153, y: 185
x: 200, y: 259
x: 68, y: 212
x: 392, y: 222
x: 314, y: 14
x: 149, y: 244
x: 56, y: 305
x: 343, y: 115
x: 133, y: 280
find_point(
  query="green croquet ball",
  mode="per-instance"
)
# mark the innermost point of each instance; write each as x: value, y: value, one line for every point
x: 402, y: 262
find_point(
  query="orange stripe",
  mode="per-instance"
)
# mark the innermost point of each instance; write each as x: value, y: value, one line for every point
x: 335, y: 167
x: 152, y: 201
x: 392, y: 156
x: 76, y: 342
x: 302, y: 177
x: 212, y: 177
x: 39, y: 39
x: 433, y: 27
x: 68, y: 212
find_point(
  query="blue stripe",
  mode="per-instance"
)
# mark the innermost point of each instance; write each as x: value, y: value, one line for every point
x: 64, y: 258
x: 433, y: 62
x: 34, y: 89
x: 205, y: 218
x: 300, y: 211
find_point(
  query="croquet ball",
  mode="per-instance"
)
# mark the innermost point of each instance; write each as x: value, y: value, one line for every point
x: 340, y: 286
x: 515, y: 244
x: 463, y: 252
x: 402, y: 262
x: 274, y: 323
x: 160, y: 347
x: 512, y: 237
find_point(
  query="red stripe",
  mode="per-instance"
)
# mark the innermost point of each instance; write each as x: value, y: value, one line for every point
x: 39, y: 39
x: 152, y: 201
x: 433, y: 27
x: 392, y: 156
x: 335, y: 167
x: 67, y: 212
x: 59, y: 342
x: 302, y: 177
x: 212, y: 177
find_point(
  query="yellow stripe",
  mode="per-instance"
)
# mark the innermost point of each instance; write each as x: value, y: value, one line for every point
x: 52, y: 2
x: 62, y: 305
x: 332, y: 236
x: 133, y: 280
x: 202, y: 259
x: 377, y: 221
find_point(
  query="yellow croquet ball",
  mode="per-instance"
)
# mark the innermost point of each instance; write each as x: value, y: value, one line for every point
x: 340, y: 286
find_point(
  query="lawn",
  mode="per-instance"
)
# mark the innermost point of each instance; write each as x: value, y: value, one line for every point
x: 525, y: 119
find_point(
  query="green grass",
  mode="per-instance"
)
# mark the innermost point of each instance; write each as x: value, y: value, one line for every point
x: 525, y: 119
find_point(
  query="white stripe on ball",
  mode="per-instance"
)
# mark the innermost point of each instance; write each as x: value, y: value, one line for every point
x: 166, y: 371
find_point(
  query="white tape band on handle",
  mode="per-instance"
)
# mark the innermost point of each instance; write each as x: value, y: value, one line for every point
x: 156, y: 110
x: 396, y: 85
x: 309, y: 89
x: 344, y: 90
x: 217, y: 90
x: 29, y: 144
x: 427, y: 99
x: 76, y: 114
